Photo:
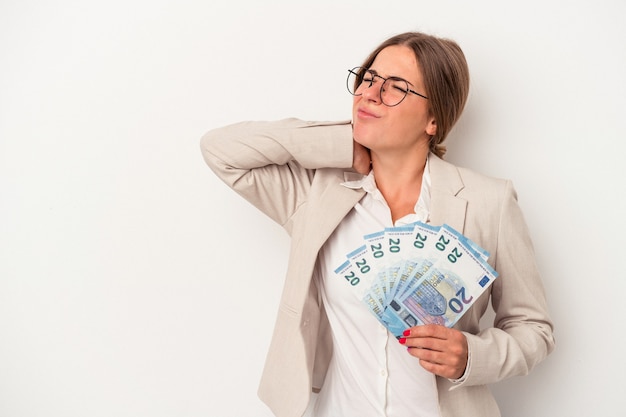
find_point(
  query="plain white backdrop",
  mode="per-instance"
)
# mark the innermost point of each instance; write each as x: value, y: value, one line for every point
x: 134, y: 283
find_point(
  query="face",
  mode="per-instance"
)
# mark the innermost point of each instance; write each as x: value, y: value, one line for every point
x: 402, y: 128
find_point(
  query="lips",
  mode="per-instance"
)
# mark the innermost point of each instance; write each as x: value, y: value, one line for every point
x: 366, y: 114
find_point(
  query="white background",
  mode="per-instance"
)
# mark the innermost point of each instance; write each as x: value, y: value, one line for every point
x: 134, y: 283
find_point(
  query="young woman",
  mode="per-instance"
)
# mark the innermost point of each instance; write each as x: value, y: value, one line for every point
x: 329, y: 184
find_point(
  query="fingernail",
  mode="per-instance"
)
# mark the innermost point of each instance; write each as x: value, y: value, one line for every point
x: 407, y: 332
x: 402, y: 340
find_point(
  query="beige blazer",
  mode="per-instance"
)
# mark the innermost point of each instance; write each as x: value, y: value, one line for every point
x: 292, y: 171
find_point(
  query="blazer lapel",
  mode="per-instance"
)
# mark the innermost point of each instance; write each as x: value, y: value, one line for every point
x: 333, y: 205
x: 325, y: 213
x: 446, y: 207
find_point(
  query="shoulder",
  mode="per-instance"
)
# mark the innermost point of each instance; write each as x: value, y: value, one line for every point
x: 478, y: 182
x: 461, y: 181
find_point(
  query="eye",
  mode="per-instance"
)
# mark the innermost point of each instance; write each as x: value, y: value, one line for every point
x: 399, y: 85
x: 400, y: 89
x: 368, y: 77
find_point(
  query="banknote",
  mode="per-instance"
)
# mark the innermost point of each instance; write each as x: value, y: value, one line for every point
x: 363, y: 289
x: 395, y: 316
x: 376, y: 255
x: 445, y: 291
x: 418, y: 255
x: 417, y: 274
x: 454, y: 234
x: 398, y: 242
x: 367, y: 261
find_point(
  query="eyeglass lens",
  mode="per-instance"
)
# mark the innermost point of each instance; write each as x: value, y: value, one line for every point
x: 392, y: 90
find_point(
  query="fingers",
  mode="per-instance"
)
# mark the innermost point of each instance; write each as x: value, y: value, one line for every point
x: 430, y: 330
x: 361, y: 158
x: 433, y: 336
x: 440, y: 350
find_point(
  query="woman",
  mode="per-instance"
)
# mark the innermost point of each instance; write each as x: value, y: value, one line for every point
x: 329, y: 184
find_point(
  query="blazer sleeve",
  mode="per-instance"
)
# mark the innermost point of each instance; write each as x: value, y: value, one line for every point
x: 522, y: 333
x: 272, y: 164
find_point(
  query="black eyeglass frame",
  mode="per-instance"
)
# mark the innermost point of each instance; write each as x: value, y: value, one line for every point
x: 358, y: 73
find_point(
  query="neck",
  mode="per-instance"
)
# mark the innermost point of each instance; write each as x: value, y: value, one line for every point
x: 399, y: 179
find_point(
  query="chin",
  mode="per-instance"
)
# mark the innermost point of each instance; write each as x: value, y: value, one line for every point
x: 362, y: 139
x: 361, y: 134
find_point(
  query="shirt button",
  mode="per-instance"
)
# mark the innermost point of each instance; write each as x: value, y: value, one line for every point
x: 383, y: 372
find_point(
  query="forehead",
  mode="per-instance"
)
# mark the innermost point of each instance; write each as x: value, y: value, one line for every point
x: 397, y: 61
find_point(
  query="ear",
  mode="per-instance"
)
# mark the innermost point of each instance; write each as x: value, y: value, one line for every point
x: 431, y: 127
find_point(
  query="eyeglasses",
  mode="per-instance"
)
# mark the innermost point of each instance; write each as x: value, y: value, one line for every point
x: 392, y: 90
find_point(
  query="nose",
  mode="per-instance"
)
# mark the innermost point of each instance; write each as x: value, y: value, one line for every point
x: 372, y: 93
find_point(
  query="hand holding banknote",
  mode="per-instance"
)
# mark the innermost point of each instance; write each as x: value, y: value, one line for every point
x: 418, y: 281
x: 441, y: 350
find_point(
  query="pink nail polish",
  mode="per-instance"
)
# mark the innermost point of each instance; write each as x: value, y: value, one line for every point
x: 407, y: 332
x: 402, y: 340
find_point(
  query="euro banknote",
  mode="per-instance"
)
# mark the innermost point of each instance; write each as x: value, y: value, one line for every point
x: 417, y: 274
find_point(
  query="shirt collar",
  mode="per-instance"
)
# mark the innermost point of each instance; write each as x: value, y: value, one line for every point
x: 368, y: 184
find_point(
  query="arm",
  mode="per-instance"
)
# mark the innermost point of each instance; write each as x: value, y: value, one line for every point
x: 522, y: 333
x: 271, y: 164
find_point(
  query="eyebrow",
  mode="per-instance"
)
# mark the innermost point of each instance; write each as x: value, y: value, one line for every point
x: 391, y: 76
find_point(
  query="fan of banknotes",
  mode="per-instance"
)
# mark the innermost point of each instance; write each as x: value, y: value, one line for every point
x: 417, y: 274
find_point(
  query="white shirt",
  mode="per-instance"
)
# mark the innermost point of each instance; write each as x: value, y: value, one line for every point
x: 371, y: 374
